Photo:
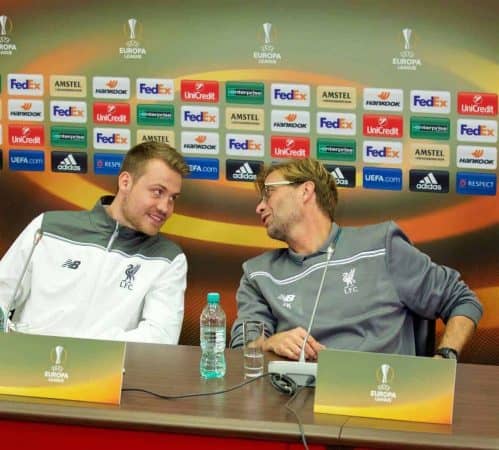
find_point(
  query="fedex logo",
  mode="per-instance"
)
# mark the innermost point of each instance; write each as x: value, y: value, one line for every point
x: 199, y: 91
x: 289, y: 147
x: 65, y: 111
x: 112, y: 113
x: 290, y: 94
x: 477, y: 130
x: 436, y: 102
x: 244, y: 144
x: 111, y: 138
x: 382, y: 152
x: 336, y: 123
x: 155, y: 89
x: 477, y: 103
x: 25, y: 84
x: 385, y: 126
x: 27, y: 136
x: 200, y: 117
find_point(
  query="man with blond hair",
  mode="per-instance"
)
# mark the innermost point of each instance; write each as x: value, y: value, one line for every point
x: 106, y: 273
x: 375, y: 283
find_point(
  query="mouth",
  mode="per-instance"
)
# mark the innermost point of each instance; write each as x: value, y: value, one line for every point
x: 265, y: 219
x: 157, y: 219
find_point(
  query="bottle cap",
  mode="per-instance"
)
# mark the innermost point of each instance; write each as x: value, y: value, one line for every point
x: 213, y: 297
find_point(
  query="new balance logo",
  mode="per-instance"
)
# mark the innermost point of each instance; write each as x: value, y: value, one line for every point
x: 287, y: 300
x: 70, y: 264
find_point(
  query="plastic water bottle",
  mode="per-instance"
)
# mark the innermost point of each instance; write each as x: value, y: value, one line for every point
x: 212, y: 336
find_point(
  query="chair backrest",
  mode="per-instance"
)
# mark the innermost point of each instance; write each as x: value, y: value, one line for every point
x: 424, y: 334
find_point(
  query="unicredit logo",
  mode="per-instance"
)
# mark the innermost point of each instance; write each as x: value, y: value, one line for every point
x: 386, y: 126
x: 289, y: 147
x: 33, y: 135
x: 199, y: 91
x: 477, y: 103
x: 112, y: 113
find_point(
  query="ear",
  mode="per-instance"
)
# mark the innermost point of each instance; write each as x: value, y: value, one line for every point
x: 125, y: 181
x: 308, y: 190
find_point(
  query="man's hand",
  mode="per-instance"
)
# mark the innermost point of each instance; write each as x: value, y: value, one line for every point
x: 289, y: 343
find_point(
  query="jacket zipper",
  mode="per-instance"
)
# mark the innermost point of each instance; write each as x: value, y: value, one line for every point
x: 113, y: 237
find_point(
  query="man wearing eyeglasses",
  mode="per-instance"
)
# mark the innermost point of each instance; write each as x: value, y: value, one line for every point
x: 367, y: 283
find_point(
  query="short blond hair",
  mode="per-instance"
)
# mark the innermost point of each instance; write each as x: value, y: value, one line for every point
x: 137, y: 157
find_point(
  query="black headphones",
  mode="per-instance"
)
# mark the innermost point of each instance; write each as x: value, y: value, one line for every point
x: 283, y: 383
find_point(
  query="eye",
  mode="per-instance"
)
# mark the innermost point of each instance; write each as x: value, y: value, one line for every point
x: 157, y: 193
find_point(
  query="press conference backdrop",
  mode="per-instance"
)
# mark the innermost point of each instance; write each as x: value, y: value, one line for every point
x: 398, y: 98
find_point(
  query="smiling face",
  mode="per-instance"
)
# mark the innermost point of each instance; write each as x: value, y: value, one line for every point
x: 279, y: 207
x: 147, y: 201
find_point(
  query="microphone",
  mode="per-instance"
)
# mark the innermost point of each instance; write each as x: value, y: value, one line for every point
x: 4, y: 315
x: 301, y: 372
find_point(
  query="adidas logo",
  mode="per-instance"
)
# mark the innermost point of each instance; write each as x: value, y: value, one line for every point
x: 245, y: 172
x: 429, y: 183
x: 69, y: 163
x: 339, y: 178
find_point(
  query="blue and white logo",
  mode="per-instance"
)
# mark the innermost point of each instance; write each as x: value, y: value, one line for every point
x: 108, y: 163
x: 203, y: 168
x: 473, y: 183
x: 387, y: 179
x: 27, y: 160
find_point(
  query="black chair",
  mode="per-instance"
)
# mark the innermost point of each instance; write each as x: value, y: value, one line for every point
x: 424, y: 334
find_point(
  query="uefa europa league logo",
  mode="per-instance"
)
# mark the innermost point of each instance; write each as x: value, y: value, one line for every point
x: 58, y: 355
x: 406, y: 33
x: 3, y: 25
x: 385, y: 370
x: 132, y: 25
x: 267, y: 28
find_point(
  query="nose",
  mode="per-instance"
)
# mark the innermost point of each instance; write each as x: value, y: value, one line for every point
x: 260, y: 207
x: 165, y: 206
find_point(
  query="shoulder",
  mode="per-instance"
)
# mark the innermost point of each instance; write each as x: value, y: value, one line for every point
x: 370, y: 237
x: 265, y: 260
x: 57, y: 220
x: 160, y: 246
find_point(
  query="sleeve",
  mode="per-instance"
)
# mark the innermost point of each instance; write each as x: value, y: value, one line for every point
x: 251, y: 305
x: 163, y: 310
x: 428, y: 289
x: 13, y: 264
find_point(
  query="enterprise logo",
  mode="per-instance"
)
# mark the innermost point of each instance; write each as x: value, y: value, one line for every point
x: 471, y: 183
x: 203, y: 168
x: 380, y: 178
x: 336, y: 149
x: 435, y: 181
x: 108, y: 163
x: 26, y: 160
x: 156, y: 115
x: 68, y: 137
x: 244, y: 92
